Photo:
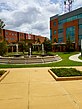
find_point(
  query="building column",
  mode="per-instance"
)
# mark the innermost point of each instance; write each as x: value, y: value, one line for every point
x: 12, y: 48
x: 17, y: 48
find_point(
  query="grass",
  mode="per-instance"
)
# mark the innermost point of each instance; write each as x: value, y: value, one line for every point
x: 66, y: 72
x: 65, y: 62
x: 10, y: 54
x: 2, y: 72
x: 80, y: 57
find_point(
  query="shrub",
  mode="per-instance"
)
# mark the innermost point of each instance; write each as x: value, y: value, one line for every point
x: 66, y: 72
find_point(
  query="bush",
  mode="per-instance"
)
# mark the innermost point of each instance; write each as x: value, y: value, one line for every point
x: 66, y: 72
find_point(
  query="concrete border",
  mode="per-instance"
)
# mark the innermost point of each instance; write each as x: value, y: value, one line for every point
x: 4, y: 75
x: 64, y: 78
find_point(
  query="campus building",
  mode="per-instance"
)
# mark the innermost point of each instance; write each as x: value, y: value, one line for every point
x: 67, y: 25
x: 13, y: 37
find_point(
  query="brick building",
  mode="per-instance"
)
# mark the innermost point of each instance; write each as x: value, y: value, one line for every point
x: 63, y: 26
x: 13, y: 37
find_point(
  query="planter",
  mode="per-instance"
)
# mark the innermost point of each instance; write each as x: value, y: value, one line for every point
x: 64, y: 78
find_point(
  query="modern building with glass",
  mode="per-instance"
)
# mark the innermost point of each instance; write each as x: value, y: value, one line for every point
x: 67, y: 25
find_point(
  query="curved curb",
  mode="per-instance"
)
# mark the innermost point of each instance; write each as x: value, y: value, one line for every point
x: 4, y: 75
x: 64, y: 78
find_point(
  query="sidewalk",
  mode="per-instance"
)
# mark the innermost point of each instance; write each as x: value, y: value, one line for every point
x: 75, y: 58
x: 35, y: 88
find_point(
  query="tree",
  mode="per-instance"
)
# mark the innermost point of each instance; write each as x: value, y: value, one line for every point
x: 55, y: 40
x: 47, y: 45
x: 69, y: 46
x: 22, y: 46
x: 3, y: 48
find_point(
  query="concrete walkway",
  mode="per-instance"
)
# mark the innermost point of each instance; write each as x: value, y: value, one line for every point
x: 35, y: 88
x: 75, y: 58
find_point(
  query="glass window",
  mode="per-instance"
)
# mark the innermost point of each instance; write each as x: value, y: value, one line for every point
x: 70, y: 32
x: 60, y: 22
x: 12, y: 38
x: 51, y: 34
x: 12, y: 34
x: 6, y: 38
x: 80, y: 36
x: 80, y: 15
x: 80, y: 26
x: 54, y: 23
x: 15, y: 34
x: 60, y: 30
x: 6, y: 33
x: 60, y: 39
x: 69, y: 19
x: 55, y: 32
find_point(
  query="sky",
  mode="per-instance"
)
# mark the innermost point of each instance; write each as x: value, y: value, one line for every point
x: 32, y: 16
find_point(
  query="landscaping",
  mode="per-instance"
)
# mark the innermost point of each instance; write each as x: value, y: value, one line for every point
x: 65, y: 62
x: 2, y: 72
x: 66, y: 72
x: 80, y: 57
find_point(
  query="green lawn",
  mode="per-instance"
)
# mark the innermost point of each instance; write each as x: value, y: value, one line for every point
x: 80, y: 57
x: 65, y: 62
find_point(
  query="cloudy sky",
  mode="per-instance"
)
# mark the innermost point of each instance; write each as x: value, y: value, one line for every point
x: 31, y: 16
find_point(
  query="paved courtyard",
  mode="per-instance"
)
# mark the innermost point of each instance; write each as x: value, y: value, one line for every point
x: 35, y: 88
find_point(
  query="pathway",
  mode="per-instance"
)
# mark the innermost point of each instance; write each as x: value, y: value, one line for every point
x: 35, y: 88
x: 75, y: 57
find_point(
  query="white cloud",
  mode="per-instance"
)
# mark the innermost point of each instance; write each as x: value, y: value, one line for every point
x: 31, y: 15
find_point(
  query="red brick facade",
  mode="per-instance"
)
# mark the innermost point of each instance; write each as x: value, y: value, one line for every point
x: 54, y: 28
x: 14, y: 36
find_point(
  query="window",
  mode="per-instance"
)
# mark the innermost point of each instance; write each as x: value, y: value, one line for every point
x: 50, y: 34
x: 6, y: 38
x: 15, y: 34
x: 54, y: 23
x: 60, y: 30
x: 60, y: 39
x: 70, y: 32
x: 80, y: 15
x: 6, y: 33
x: 80, y: 26
x: 55, y: 32
x: 80, y: 36
x: 12, y: 38
x: 69, y: 19
x: 12, y: 34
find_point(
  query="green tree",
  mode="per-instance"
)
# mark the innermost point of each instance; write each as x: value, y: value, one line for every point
x: 55, y: 40
x: 22, y: 46
x: 3, y: 48
x: 69, y: 46
x: 47, y: 45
